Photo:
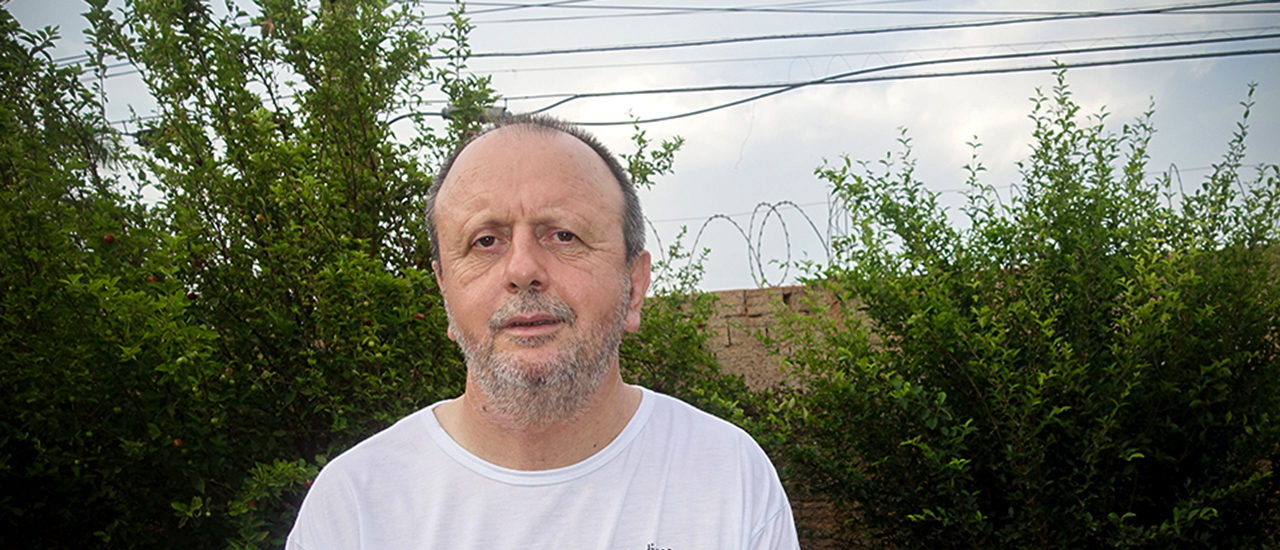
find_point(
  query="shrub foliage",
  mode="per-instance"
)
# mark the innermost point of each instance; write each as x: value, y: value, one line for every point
x: 175, y: 371
x: 1093, y: 362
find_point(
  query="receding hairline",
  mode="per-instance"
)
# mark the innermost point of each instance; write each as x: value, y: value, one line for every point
x: 533, y: 129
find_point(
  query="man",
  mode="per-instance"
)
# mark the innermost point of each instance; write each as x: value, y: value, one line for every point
x: 538, y: 246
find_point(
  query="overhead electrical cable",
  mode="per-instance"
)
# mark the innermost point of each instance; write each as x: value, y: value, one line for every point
x: 669, y: 11
x: 564, y: 18
x: 782, y: 87
x: 683, y: 62
x: 776, y: 88
x: 645, y: 10
x: 872, y: 31
x: 1046, y: 67
x: 847, y: 77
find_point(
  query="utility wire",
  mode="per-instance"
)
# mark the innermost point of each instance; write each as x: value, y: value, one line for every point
x: 847, y: 77
x: 1004, y: 45
x: 1045, y: 17
x: 87, y: 73
x: 646, y: 10
x: 564, y: 18
x: 837, y: 78
x: 662, y: 11
x: 873, y: 31
x: 1033, y: 68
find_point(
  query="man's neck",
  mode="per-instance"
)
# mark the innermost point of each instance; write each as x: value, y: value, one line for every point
x: 488, y: 434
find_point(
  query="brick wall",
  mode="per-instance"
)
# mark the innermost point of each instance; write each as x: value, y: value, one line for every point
x: 743, y: 313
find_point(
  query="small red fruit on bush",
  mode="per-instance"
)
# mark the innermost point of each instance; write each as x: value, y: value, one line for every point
x: 177, y: 442
x: 191, y: 296
x: 108, y: 238
x: 419, y: 316
x: 152, y: 279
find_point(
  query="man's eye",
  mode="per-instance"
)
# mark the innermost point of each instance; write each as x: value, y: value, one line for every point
x: 564, y: 236
x: 486, y: 241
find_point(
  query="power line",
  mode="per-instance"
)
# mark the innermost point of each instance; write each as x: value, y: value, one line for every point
x: 1034, y: 68
x: 554, y: 19
x: 653, y: 10
x: 873, y: 31
x: 662, y: 11
x: 864, y: 53
x: 953, y: 25
x: 846, y: 77
x: 777, y: 88
x: 959, y: 73
x: 577, y: 4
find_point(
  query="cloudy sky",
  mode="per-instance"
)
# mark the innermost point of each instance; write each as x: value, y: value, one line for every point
x: 759, y: 156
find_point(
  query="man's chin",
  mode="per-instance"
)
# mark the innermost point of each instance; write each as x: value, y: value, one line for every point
x: 533, y: 370
x: 528, y: 342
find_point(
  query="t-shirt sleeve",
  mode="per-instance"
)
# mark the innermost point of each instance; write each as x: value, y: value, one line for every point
x: 775, y: 527
x: 777, y: 533
x: 329, y: 517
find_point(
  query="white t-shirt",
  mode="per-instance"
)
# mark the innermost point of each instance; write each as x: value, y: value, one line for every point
x: 676, y: 478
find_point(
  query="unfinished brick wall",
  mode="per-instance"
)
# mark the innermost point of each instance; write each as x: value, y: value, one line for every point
x: 742, y: 313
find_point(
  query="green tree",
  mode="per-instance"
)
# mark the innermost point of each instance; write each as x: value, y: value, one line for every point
x: 1094, y: 362
x: 174, y: 376
x: 297, y: 224
x: 175, y: 372
x: 79, y: 312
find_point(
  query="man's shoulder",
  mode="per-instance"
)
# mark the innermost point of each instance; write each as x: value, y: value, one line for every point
x: 682, y: 420
x: 403, y: 439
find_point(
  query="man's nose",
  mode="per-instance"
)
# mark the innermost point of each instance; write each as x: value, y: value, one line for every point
x: 525, y: 270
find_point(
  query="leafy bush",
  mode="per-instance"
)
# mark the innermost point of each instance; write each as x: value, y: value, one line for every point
x: 1093, y: 363
x: 82, y: 308
x: 175, y: 375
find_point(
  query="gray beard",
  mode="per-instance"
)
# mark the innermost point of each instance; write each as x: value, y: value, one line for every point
x: 537, y: 393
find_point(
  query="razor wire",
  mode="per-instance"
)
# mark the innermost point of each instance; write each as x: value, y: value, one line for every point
x: 754, y: 233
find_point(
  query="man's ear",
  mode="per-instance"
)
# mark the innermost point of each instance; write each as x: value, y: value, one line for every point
x: 435, y: 270
x: 639, y: 287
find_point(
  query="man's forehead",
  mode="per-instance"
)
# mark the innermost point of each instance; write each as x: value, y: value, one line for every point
x: 520, y: 134
x: 513, y: 147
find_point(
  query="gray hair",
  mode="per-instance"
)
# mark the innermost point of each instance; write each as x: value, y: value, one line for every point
x: 632, y: 217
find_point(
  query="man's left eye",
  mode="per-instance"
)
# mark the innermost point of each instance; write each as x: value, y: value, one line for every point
x: 564, y: 236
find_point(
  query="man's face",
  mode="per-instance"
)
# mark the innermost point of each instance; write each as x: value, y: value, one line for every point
x: 533, y: 264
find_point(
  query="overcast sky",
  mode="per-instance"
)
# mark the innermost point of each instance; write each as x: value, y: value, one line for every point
x: 762, y: 153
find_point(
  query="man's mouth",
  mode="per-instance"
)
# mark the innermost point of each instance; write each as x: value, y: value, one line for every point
x: 523, y: 321
x: 531, y: 315
x: 532, y: 323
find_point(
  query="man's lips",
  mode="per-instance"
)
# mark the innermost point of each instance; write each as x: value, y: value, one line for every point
x: 531, y: 323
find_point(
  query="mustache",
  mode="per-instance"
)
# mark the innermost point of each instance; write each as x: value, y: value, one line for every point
x: 531, y: 302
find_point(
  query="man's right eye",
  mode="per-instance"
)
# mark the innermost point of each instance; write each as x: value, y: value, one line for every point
x: 486, y: 241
